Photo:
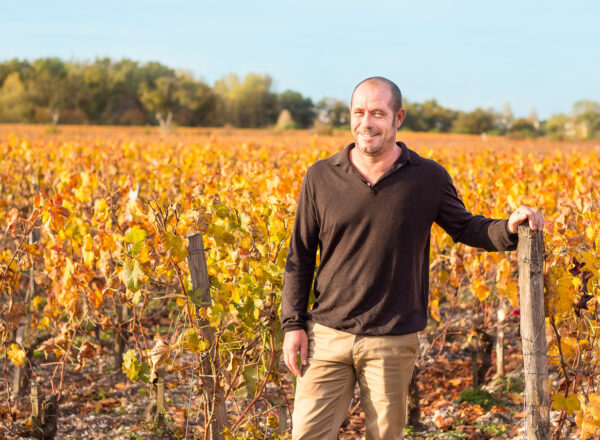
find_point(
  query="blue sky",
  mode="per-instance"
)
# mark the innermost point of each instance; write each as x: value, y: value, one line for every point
x: 465, y: 54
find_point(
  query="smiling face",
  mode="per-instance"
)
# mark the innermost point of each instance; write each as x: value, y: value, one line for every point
x: 373, y: 122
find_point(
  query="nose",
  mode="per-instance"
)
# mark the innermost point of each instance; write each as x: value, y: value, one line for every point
x: 366, y: 119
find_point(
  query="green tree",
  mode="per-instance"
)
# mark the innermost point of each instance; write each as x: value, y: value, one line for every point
x: 302, y: 109
x: 196, y: 103
x: 160, y: 98
x: 522, y: 128
x: 248, y: 103
x: 49, y: 87
x: 475, y: 122
x: 557, y: 126
x: 96, y: 88
x: 428, y: 116
x: 23, y: 68
x: 14, y: 106
x: 126, y: 78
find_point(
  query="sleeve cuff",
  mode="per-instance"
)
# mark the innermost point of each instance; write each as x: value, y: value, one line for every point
x: 512, y: 236
x: 294, y: 326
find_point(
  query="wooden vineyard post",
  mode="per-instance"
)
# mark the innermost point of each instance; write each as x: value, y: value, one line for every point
x: 120, y: 335
x: 211, y: 391
x: 156, y: 407
x: 44, y: 416
x: 283, y: 420
x: 22, y: 374
x: 533, y: 333
x: 501, y: 314
x: 35, y: 402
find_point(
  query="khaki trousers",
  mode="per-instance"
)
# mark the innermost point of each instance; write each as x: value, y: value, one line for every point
x: 382, y: 366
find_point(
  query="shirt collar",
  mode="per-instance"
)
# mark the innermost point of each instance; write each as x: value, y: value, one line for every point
x: 407, y: 156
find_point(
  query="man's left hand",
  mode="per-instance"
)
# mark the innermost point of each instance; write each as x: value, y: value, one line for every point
x: 521, y: 215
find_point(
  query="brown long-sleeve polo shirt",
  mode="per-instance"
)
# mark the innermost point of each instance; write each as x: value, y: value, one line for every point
x: 373, y: 275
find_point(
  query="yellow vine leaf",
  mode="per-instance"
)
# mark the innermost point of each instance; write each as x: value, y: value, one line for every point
x: 570, y: 403
x: 590, y: 233
x: 132, y: 275
x: 16, y: 354
x: 131, y: 365
x: 569, y: 347
x: 175, y: 246
x: 108, y: 242
x: 190, y: 340
x: 480, y: 289
x: 135, y: 235
x: 68, y: 272
x: 32, y: 249
x: 43, y: 323
x: 591, y: 262
x: 559, y: 291
x: 88, y: 251
x: 589, y: 420
x: 434, y: 309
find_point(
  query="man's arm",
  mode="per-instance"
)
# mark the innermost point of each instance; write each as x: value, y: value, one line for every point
x: 298, y: 279
x: 479, y: 231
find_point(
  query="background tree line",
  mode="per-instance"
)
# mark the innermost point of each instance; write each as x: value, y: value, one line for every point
x: 126, y: 92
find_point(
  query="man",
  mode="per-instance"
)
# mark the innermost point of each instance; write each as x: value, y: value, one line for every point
x: 369, y: 209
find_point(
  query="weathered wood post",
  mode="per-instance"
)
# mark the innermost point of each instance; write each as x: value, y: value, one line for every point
x: 211, y: 389
x: 155, y: 409
x: 283, y: 420
x: 35, y: 402
x: 44, y: 416
x: 120, y: 335
x: 533, y: 333
x: 501, y: 315
x: 22, y: 374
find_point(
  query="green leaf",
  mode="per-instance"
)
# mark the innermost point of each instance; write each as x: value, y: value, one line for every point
x: 135, y: 249
x: 175, y: 245
x: 131, y: 275
x: 136, y: 234
x: 281, y: 257
x: 131, y: 365
x: 222, y: 211
x: 194, y: 343
x: 251, y: 377
x: 196, y: 296
x: 144, y: 373
x: 227, y: 238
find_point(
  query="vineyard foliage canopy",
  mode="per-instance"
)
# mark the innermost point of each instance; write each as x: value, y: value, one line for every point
x: 113, y: 209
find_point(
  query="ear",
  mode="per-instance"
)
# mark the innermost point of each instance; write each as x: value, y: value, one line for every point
x: 400, y: 117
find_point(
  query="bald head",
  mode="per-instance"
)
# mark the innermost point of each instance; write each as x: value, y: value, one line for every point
x: 396, y: 100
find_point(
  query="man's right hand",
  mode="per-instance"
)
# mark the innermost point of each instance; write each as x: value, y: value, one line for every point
x: 295, y: 342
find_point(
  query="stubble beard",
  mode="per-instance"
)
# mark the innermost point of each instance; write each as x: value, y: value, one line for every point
x: 372, y: 149
x: 369, y: 150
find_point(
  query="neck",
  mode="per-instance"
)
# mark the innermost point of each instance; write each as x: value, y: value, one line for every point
x: 372, y: 167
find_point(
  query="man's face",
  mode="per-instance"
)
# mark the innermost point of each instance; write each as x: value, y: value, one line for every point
x: 372, y: 120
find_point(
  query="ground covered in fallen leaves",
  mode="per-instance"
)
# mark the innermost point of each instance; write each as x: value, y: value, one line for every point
x: 99, y: 402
